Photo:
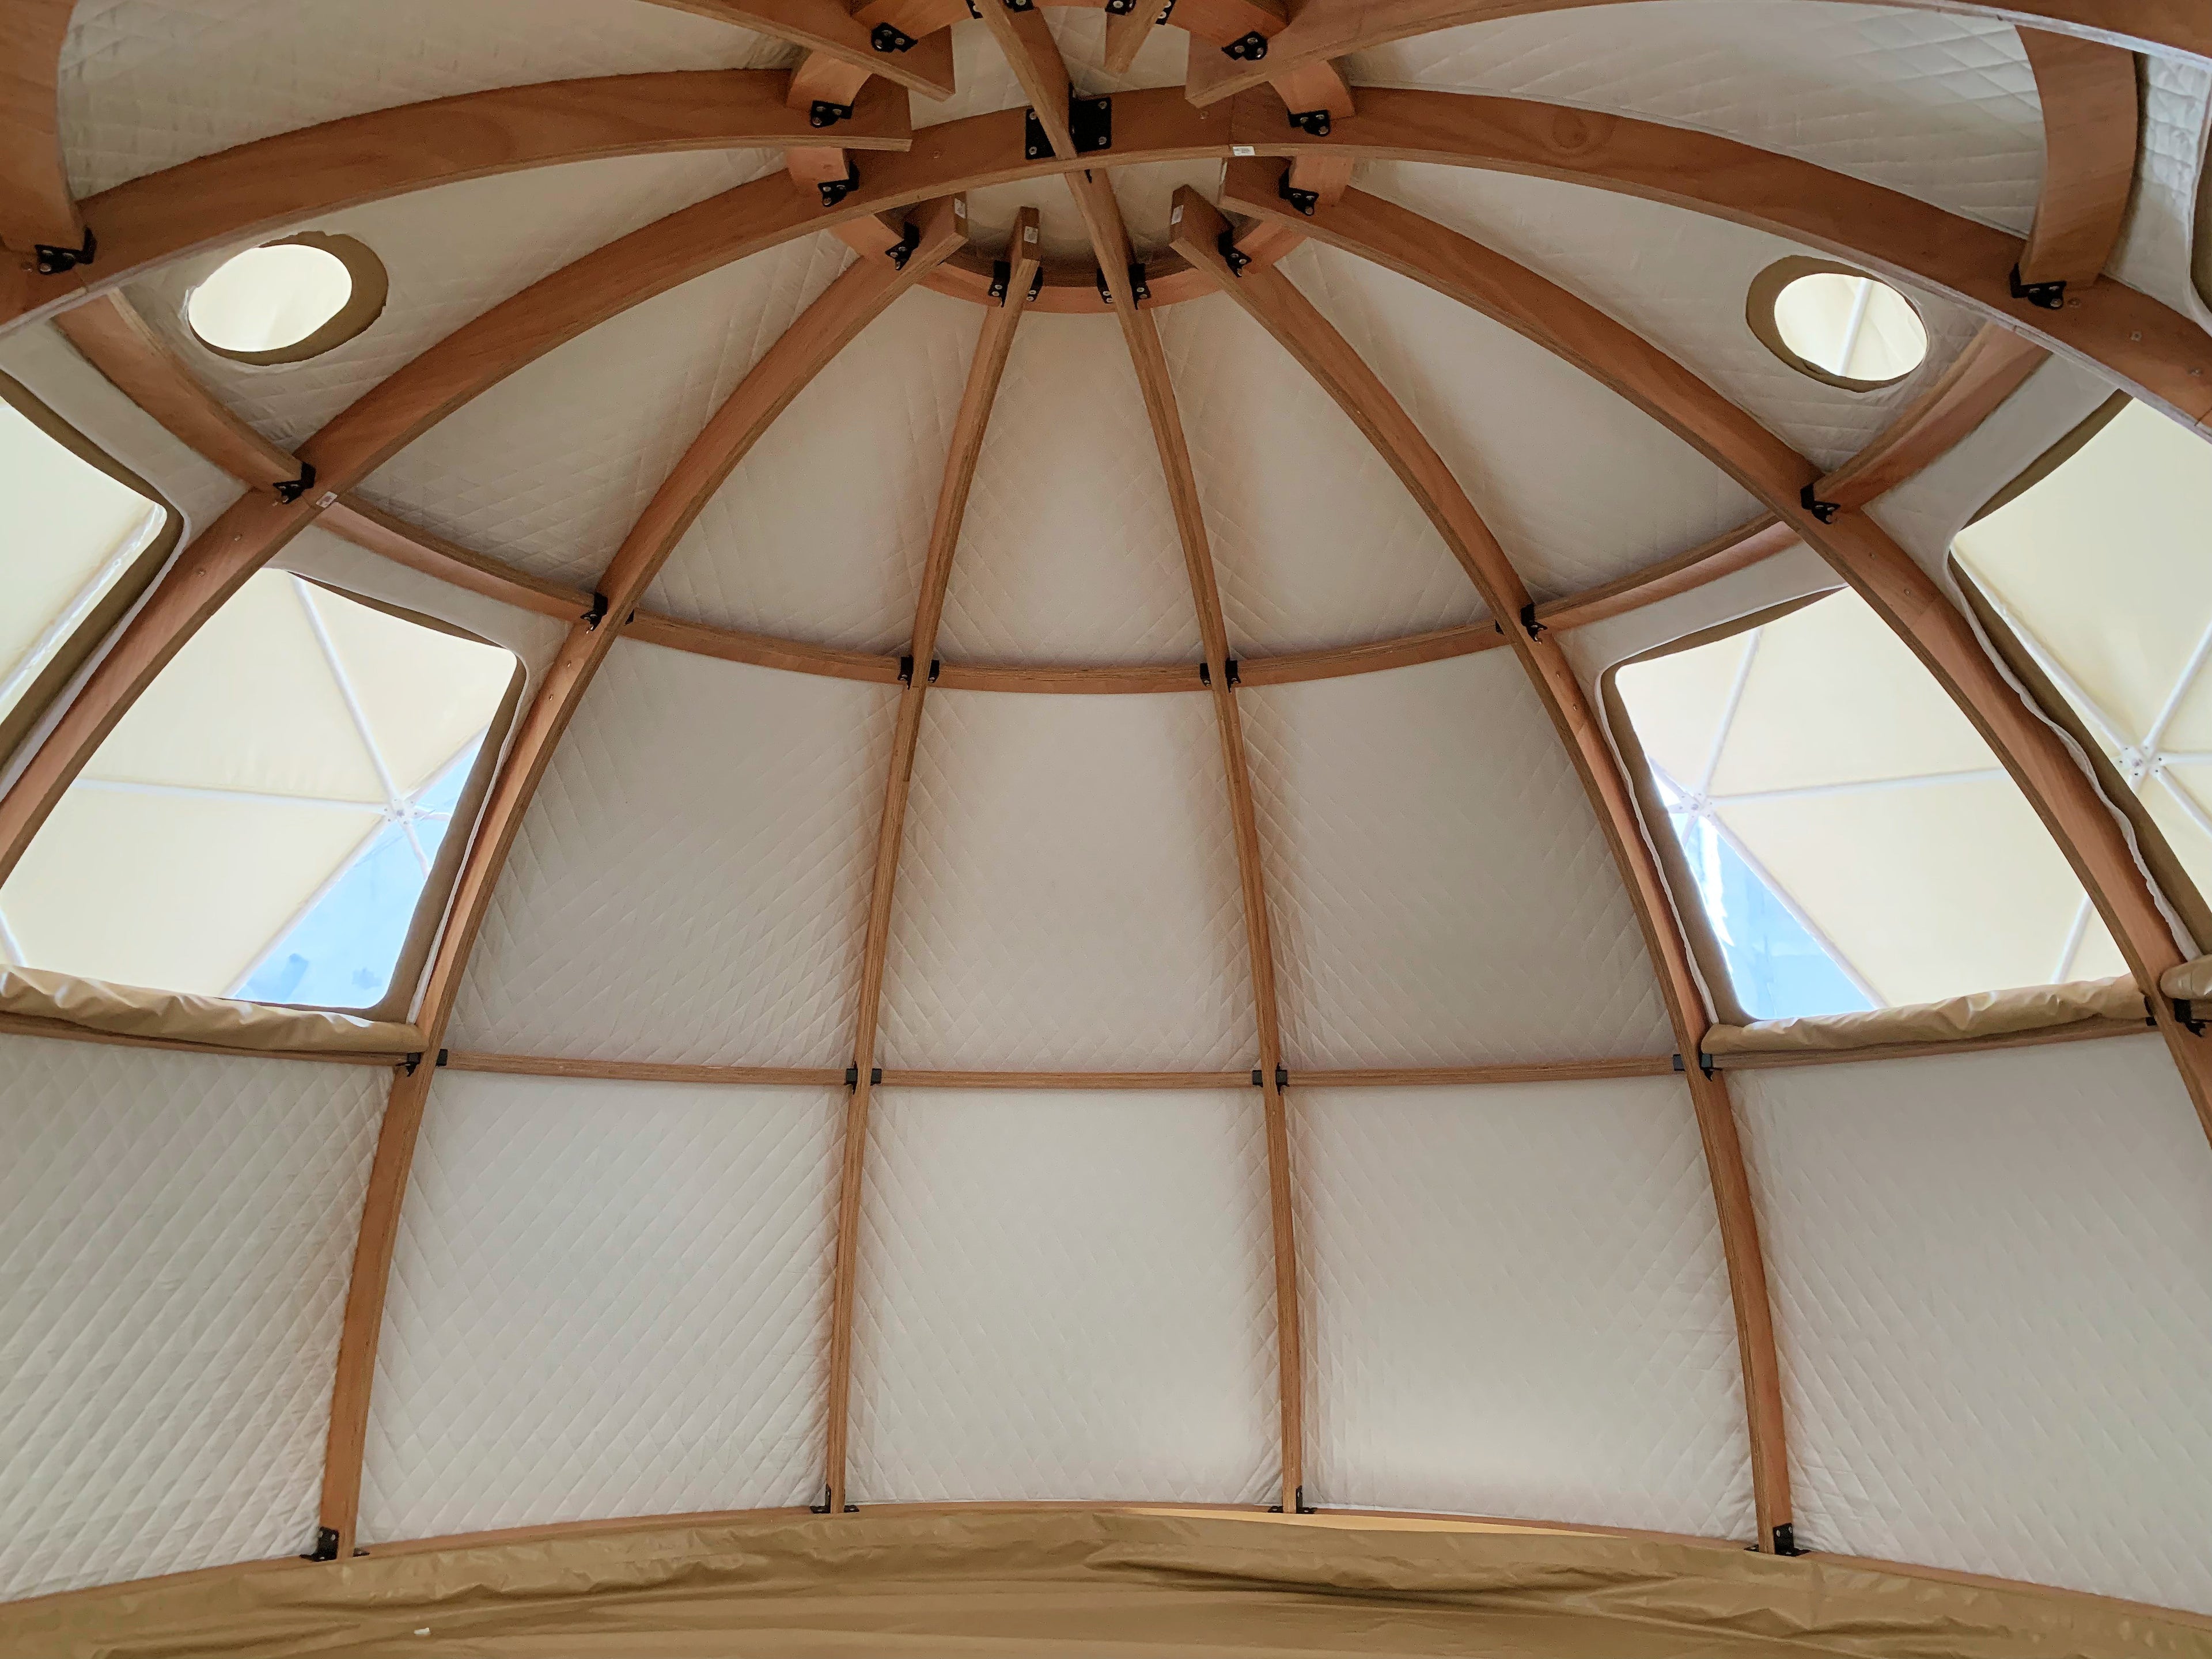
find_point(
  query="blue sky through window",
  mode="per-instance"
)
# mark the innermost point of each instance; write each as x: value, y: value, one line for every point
x: 1779, y: 970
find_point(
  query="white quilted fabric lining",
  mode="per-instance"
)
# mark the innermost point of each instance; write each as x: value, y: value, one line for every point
x: 607, y: 1299
x: 1940, y: 107
x: 690, y: 883
x: 1067, y: 895
x: 452, y: 253
x: 1315, y: 543
x: 550, y: 468
x: 176, y: 1232
x: 1577, y: 485
x: 1069, y: 551
x: 1065, y: 1296
x: 822, y: 531
x: 1992, y: 1278
x: 146, y: 84
x: 1440, y: 891
x: 2155, y: 243
x: 1516, y: 1304
x: 1678, y: 278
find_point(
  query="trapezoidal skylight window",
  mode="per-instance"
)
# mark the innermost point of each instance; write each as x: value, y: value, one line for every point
x: 1850, y: 840
x: 276, y: 818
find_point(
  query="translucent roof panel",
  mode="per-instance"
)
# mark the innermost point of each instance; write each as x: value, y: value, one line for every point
x: 1852, y: 840
x: 264, y: 821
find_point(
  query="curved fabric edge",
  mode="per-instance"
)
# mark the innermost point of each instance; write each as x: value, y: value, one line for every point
x: 2188, y: 981
x: 1085, y: 1582
x: 1985, y: 1014
x: 180, y: 1017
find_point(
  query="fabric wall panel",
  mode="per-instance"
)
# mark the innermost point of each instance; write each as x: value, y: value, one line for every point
x: 1516, y: 1305
x: 1992, y: 1278
x: 1440, y: 891
x: 607, y: 1299
x: 176, y: 1232
x: 1065, y: 1296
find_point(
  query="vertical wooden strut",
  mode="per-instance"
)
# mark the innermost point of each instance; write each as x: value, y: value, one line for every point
x: 1275, y: 301
x: 862, y: 293
x: 984, y: 371
x: 2089, y: 120
x: 35, y: 205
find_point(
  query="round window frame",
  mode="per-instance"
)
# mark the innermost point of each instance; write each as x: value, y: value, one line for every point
x: 1766, y: 289
x: 372, y: 287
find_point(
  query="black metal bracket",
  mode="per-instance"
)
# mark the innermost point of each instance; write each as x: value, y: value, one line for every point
x: 1297, y: 1502
x: 1785, y: 1540
x: 1809, y: 499
x: 1234, y: 256
x: 292, y: 489
x: 1036, y: 282
x: 852, y: 1081
x: 443, y: 1056
x: 974, y: 15
x: 823, y: 113
x: 326, y: 1546
x: 1247, y: 49
x: 597, y: 614
x: 1120, y: 8
x: 1535, y: 629
x: 1704, y: 1063
x: 1166, y: 12
x: 1305, y: 201
x: 902, y: 250
x: 1228, y: 678
x: 822, y: 1507
x: 1098, y: 281
x: 906, y: 673
x: 1139, y: 289
x: 1035, y: 144
x: 1002, y: 278
x: 2050, y: 296
x: 2185, y: 1012
x: 53, y: 261
x: 1314, y: 122
x: 884, y: 37
x: 1021, y: 5
x: 407, y: 1066
x: 1091, y: 124
x: 834, y: 190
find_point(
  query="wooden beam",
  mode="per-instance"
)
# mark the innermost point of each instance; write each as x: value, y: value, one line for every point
x: 634, y: 1071
x: 1030, y: 50
x: 1126, y: 34
x: 1430, y: 1077
x: 828, y: 28
x: 1084, y: 1080
x: 2089, y: 120
x: 985, y: 370
x: 35, y: 205
x: 1275, y: 303
x: 862, y: 293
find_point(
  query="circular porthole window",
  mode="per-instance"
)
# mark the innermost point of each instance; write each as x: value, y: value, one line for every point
x: 286, y: 301
x: 1836, y: 324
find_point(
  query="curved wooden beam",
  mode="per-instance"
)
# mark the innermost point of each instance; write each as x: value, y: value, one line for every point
x: 1273, y: 301
x: 1336, y: 29
x: 860, y: 294
x: 35, y: 205
x: 829, y: 28
x: 2089, y: 120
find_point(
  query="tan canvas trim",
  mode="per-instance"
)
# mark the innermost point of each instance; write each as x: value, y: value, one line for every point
x: 2188, y: 981
x: 1068, y: 1582
x: 177, y: 1016
x: 1959, y: 1019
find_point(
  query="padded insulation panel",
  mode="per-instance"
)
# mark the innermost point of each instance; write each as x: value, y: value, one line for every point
x: 1067, y: 894
x: 1516, y: 1305
x: 607, y: 1299
x: 176, y: 1232
x: 1063, y: 1296
x: 1440, y: 891
x: 1992, y: 1280
x: 691, y: 881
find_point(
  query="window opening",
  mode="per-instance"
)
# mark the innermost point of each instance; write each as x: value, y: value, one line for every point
x: 1836, y: 324
x: 289, y: 300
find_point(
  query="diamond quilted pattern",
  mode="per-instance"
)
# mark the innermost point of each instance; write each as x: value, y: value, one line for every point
x: 176, y: 1232
x: 1065, y: 1296
x: 1578, y: 485
x: 1067, y: 895
x: 1678, y: 278
x: 1516, y: 1305
x: 1943, y: 108
x: 1992, y: 1278
x: 1315, y: 543
x: 822, y: 531
x: 452, y: 253
x: 1069, y: 551
x: 607, y: 1299
x: 147, y: 83
x: 2154, y: 251
x: 550, y: 467
x: 1440, y: 892
x: 690, y: 883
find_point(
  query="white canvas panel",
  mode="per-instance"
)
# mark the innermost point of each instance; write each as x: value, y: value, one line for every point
x: 451, y: 254
x: 1065, y: 1296
x: 1315, y: 543
x: 690, y: 883
x: 2156, y: 239
x: 1678, y: 278
x: 1516, y: 1305
x: 1439, y: 889
x: 1069, y: 551
x: 1577, y: 485
x: 146, y: 84
x: 176, y: 1232
x: 1067, y: 894
x: 1940, y: 107
x: 607, y: 1299
x: 549, y: 469
x: 822, y: 531
x: 1992, y: 1281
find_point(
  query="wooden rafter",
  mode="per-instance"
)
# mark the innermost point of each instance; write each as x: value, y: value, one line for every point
x: 1273, y: 301
x: 2087, y: 91
x: 829, y: 28
x: 35, y: 205
x: 985, y: 370
x: 863, y: 292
